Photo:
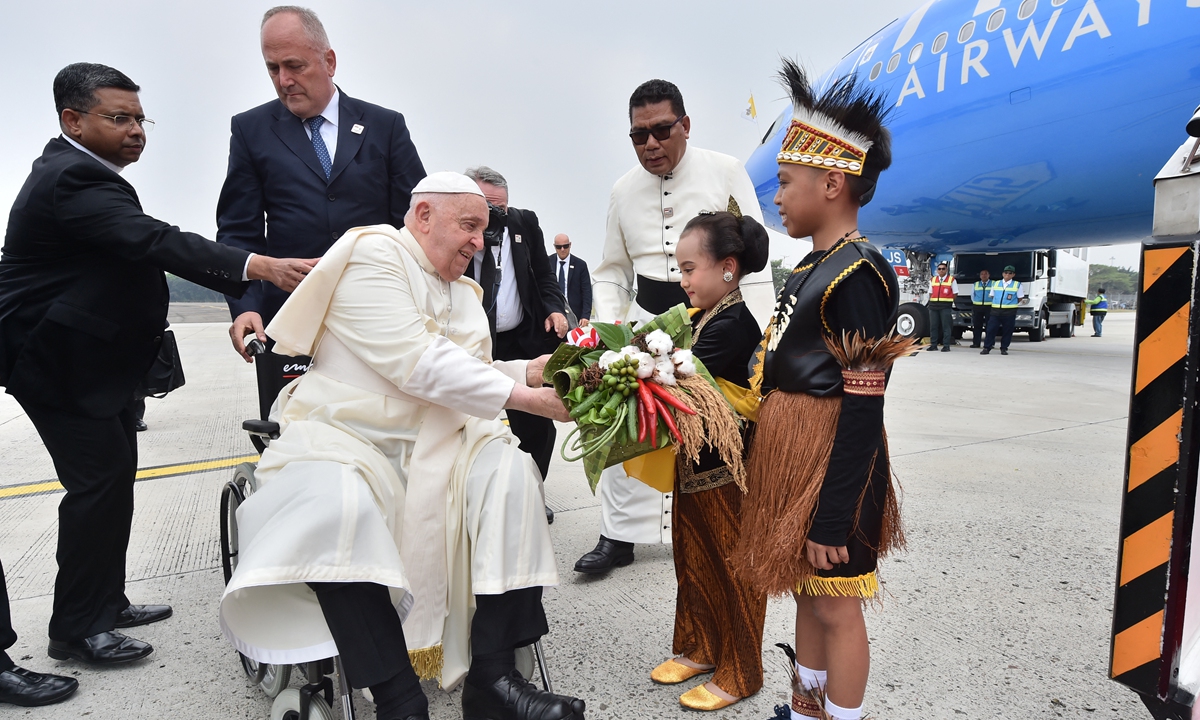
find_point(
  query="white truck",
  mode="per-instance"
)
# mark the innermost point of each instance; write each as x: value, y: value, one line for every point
x: 1056, y: 282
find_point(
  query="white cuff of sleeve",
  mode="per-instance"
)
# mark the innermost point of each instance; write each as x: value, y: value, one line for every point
x: 449, y: 376
x: 515, y: 369
x: 246, y: 268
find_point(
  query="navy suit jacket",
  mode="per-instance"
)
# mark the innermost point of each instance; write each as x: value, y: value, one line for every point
x: 579, y: 285
x: 83, y: 298
x: 276, y: 200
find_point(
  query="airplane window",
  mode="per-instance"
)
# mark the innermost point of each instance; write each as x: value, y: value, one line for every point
x: 1028, y: 8
x: 894, y: 62
x: 939, y: 43
x: 915, y: 53
x: 878, y: 68
x: 995, y: 20
x: 965, y: 33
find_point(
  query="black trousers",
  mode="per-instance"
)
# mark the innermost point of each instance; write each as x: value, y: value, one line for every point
x: 96, y: 460
x: 1003, y: 322
x: 8, y: 636
x: 979, y: 321
x: 941, y: 324
x: 370, y: 637
x: 536, y: 433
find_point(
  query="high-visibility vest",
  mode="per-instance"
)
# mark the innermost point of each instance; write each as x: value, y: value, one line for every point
x: 1100, y: 304
x: 981, y: 294
x: 941, y: 290
x: 1005, y: 296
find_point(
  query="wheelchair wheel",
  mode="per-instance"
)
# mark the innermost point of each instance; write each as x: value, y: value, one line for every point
x: 232, y: 496
x: 525, y: 662
x: 287, y: 707
x: 275, y: 679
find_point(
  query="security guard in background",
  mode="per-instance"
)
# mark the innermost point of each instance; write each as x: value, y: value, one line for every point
x: 1006, y: 296
x: 942, y: 290
x: 981, y: 306
x: 1099, y: 310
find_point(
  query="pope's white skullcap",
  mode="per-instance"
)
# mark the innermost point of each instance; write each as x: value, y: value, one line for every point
x: 451, y: 183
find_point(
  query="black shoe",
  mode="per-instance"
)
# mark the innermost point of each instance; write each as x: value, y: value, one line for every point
x: 985, y: 351
x: 549, y: 516
x: 135, y: 615
x: 931, y: 348
x: 106, y: 648
x: 945, y: 348
x: 19, y: 686
x: 975, y: 345
x: 140, y: 425
x: 1003, y: 351
x: 512, y: 697
x: 607, y: 555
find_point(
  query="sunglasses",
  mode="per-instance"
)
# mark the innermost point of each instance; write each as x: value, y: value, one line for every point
x: 562, y: 247
x: 660, y: 133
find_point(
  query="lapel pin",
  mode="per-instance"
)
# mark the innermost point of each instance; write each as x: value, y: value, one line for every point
x: 357, y: 129
x: 517, y: 238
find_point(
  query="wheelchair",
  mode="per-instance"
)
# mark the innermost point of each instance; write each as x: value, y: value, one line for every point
x: 315, y: 699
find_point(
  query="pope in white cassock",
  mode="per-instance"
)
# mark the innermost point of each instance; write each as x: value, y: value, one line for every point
x: 396, y: 524
x: 639, y: 276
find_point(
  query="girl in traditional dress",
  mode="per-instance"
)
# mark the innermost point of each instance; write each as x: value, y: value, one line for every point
x: 718, y: 618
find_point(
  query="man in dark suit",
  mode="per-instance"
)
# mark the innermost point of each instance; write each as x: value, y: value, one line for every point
x: 525, y: 308
x: 573, y: 279
x: 304, y: 169
x: 83, y: 304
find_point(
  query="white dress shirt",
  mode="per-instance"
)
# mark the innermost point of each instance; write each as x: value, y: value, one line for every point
x: 329, y: 130
x: 508, y: 301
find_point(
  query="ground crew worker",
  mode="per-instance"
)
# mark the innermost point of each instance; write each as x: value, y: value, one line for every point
x: 1006, y: 295
x: 942, y: 290
x: 1099, y: 309
x: 981, y: 306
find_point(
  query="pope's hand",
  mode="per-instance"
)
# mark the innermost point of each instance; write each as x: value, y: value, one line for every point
x: 558, y: 321
x: 541, y: 401
x: 533, y: 371
x: 824, y: 557
x: 284, y: 273
x: 243, y: 325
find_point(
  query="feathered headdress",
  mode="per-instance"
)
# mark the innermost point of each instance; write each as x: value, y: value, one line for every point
x: 835, y: 129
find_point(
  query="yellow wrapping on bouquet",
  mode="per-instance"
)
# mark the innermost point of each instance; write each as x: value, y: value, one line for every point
x: 656, y: 469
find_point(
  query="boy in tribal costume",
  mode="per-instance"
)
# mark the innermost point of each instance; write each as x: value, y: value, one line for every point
x: 821, y: 508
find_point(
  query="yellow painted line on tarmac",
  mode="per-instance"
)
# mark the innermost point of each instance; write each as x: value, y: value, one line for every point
x: 149, y: 473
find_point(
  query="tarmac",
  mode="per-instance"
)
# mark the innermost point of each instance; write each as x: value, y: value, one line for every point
x: 1000, y: 607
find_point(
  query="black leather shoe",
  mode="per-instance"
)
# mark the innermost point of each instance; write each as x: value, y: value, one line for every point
x: 931, y: 348
x: 106, y: 648
x: 19, y: 686
x: 135, y: 615
x: 607, y: 555
x: 945, y: 348
x: 985, y: 351
x: 512, y: 697
x: 549, y: 516
x: 1003, y: 351
x: 974, y: 346
x: 140, y: 426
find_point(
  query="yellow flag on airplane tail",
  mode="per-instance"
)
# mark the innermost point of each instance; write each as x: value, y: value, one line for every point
x: 751, y: 112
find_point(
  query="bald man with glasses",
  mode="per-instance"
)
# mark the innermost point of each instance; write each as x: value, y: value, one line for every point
x: 573, y: 279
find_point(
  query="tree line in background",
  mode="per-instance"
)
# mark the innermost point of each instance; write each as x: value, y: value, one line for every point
x: 184, y: 291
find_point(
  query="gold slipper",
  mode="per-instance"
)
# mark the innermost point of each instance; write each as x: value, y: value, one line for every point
x: 673, y: 672
x: 701, y: 698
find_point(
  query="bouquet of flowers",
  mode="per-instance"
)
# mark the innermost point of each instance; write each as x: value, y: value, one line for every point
x: 632, y: 391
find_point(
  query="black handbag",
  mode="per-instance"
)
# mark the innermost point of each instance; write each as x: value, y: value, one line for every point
x: 166, y: 374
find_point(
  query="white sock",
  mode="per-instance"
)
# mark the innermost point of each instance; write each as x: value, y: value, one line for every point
x: 840, y: 713
x: 811, y: 679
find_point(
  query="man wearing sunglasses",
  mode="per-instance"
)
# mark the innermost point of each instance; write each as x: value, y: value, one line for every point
x: 639, y: 276
x: 573, y: 279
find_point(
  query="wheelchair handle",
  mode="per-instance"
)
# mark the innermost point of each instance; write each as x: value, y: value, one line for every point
x: 255, y: 347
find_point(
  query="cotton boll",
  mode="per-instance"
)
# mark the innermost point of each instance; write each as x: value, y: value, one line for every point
x: 685, y: 369
x: 681, y: 356
x: 608, y: 358
x: 659, y: 343
x: 664, y: 379
x: 665, y: 372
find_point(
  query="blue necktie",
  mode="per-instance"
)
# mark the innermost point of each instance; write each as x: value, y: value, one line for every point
x: 314, y: 126
x: 562, y: 276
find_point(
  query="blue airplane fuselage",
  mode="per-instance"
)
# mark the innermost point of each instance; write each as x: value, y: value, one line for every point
x: 1020, y: 124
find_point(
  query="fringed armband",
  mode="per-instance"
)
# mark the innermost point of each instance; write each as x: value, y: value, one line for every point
x: 865, y: 362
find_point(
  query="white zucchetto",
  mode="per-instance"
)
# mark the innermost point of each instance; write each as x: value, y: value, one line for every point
x: 449, y: 183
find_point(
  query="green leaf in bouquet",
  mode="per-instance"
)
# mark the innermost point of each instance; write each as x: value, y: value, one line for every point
x: 563, y: 356
x: 567, y: 380
x: 627, y: 334
x: 612, y: 336
x: 591, y: 358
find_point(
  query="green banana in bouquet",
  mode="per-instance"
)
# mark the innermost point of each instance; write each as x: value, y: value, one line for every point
x: 632, y: 390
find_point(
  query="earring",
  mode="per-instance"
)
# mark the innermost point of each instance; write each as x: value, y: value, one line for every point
x: 728, y: 276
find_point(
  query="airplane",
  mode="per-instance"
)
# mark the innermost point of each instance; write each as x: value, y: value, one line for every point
x: 1018, y: 125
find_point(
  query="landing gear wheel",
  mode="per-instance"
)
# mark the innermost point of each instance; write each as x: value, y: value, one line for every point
x: 525, y: 662
x: 287, y: 707
x: 274, y: 681
x: 912, y: 320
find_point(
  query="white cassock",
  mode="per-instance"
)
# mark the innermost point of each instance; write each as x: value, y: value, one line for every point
x: 646, y: 215
x: 392, y: 466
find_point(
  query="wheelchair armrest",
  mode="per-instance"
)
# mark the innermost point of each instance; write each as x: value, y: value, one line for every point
x: 266, y: 428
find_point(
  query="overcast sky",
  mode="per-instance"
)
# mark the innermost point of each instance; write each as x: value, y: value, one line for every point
x: 537, y: 90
